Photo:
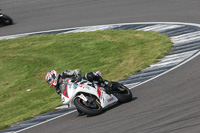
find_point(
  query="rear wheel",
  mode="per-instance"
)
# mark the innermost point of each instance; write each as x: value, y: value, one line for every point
x: 90, y: 108
x: 125, y: 95
x: 5, y: 20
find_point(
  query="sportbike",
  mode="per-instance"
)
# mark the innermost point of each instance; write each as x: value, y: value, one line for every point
x: 5, y: 20
x: 91, y: 98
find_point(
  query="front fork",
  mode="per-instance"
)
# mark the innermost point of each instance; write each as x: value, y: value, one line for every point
x: 83, y: 97
x: 88, y: 99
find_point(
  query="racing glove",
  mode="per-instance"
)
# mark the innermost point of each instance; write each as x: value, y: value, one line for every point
x: 58, y: 91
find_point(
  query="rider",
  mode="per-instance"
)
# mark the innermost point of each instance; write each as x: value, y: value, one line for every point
x: 1, y: 13
x: 57, y: 80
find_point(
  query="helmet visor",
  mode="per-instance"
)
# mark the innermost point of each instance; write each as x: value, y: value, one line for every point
x: 50, y: 81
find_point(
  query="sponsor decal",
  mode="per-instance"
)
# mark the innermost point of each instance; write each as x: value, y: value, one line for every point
x: 110, y: 99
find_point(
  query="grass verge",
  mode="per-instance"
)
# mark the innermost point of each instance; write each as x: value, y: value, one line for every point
x: 25, y: 61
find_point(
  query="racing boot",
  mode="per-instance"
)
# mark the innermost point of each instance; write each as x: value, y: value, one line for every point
x: 108, y: 87
x: 107, y: 83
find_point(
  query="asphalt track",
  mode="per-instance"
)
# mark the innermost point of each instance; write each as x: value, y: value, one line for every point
x: 169, y: 103
x: 40, y: 15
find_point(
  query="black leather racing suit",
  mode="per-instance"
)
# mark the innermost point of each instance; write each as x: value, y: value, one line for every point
x: 73, y: 75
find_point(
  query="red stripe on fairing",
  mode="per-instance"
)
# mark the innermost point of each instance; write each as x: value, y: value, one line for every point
x: 65, y: 93
x: 99, y: 91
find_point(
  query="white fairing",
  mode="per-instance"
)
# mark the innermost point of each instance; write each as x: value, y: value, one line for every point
x: 72, y: 89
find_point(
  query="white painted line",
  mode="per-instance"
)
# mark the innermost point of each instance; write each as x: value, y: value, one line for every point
x: 169, y: 28
x: 160, y: 27
x: 91, y: 28
x: 178, y: 56
x: 150, y: 28
x: 181, y: 54
x: 45, y: 121
x: 165, y: 63
x: 197, y: 54
x: 186, y: 37
x: 112, y: 25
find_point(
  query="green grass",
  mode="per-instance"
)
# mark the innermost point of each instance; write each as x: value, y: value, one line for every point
x: 25, y: 61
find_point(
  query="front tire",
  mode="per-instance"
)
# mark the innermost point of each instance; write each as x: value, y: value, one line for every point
x: 93, y: 108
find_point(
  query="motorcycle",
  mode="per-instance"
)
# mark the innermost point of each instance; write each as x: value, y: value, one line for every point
x: 91, y: 98
x: 5, y: 20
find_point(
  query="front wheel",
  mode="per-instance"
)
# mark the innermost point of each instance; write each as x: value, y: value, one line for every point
x: 89, y: 108
x: 125, y: 95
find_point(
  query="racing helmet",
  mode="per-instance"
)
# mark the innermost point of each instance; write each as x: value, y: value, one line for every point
x: 52, y: 78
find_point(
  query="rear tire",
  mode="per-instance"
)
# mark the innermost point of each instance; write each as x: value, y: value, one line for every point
x: 124, y: 96
x: 5, y: 20
x: 94, y: 109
